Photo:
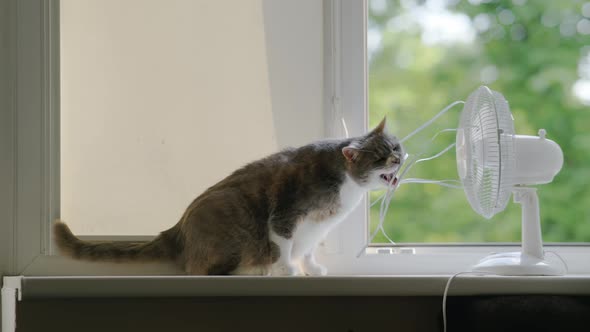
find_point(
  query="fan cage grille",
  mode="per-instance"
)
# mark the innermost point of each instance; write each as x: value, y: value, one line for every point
x: 488, y: 127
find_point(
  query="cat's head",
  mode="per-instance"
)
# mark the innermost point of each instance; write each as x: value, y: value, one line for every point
x: 373, y: 160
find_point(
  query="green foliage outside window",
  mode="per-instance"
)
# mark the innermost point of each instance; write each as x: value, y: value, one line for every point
x: 423, y: 55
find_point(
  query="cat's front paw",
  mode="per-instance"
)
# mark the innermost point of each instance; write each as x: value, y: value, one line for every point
x: 313, y: 269
x: 283, y: 269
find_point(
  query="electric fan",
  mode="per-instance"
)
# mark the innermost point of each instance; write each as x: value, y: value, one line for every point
x: 493, y: 163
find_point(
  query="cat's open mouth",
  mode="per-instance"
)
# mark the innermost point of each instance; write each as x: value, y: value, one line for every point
x: 388, y: 177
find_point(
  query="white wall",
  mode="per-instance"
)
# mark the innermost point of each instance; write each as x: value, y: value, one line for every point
x: 161, y: 100
x: 294, y: 43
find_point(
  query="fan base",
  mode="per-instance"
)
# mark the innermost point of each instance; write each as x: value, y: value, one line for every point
x: 518, y: 264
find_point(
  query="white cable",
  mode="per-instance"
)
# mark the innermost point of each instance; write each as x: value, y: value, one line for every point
x: 436, y: 155
x: 448, y: 285
x: 454, y: 130
x: 422, y: 160
x: 385, y: 199
x: 429, y: 122
x: 565, y: 266
x: 446, y: 292
x: 385, y: 207
x: 345, y: 127
x: 443, y: 183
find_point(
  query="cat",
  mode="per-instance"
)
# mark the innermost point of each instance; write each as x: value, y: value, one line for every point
x: 267, y: 216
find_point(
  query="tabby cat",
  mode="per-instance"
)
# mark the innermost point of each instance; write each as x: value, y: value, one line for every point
x: 267, y: 216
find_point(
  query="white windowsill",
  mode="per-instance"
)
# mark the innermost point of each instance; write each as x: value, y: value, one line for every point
x: 183, y: 286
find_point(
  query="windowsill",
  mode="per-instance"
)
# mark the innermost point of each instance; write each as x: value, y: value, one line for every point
x: 185, y: 286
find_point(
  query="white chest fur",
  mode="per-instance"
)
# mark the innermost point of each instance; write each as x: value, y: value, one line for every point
x: 310, y: 231
x: 351, y: 195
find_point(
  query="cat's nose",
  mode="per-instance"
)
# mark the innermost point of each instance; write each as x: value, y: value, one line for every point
x: 399, y: 160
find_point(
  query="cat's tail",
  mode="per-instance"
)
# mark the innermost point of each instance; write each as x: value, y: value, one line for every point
x: 164, y: 247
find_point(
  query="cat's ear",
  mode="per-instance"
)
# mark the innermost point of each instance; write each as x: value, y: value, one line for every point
x: 350, y: 153
x: 380, y: 127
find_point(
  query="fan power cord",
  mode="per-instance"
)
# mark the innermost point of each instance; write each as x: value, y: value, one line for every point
x: 565, y: 266
x: 446, y: 293
x: 448, y: 285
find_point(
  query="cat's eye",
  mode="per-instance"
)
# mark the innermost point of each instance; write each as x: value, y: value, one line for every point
x: 380, y: 158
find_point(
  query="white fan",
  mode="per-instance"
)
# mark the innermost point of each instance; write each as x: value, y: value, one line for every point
x: 493, y: 163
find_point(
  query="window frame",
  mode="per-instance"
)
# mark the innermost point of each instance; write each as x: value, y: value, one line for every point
x: 34, y: 156
x: 33, y: 151
x: 346, y: 78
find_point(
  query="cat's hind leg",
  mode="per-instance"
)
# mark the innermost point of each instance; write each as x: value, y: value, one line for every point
x: 256, y: 270
x: 212, y: 264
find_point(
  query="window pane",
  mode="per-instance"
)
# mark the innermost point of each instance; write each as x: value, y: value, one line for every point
x: 424, y: 55
x: 159, y: 101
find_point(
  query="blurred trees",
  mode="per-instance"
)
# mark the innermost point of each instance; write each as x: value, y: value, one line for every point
x: 424, y: 55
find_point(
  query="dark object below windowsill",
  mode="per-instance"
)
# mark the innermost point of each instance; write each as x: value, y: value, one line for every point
x: 537, y: 313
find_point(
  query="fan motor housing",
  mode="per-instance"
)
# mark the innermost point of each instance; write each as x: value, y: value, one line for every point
x: 538, y: 160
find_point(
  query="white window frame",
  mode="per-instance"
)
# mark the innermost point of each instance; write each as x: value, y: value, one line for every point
x: 346, y: 74
x: 34, y: 156
x: 34, y: 56
x: 32, y: 150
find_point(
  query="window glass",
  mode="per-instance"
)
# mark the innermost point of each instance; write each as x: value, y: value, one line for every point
x: 424, y: 55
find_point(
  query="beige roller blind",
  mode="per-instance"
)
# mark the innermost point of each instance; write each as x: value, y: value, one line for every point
x: 159, y: 100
